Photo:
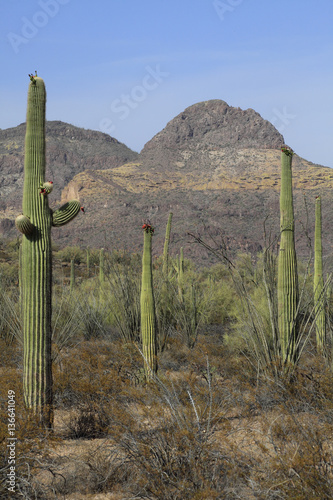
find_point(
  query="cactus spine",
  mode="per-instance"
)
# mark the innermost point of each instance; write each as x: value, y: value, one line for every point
x: 318, y: 281
x: 36, y: 270
x: 287, y: 291
x: 148, y: 320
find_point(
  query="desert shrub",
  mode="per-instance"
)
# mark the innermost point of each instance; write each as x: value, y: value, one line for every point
x: 9, y: 272
x: 255, y: 319
x: 11, y: 354
x: 30, y: 445
x: 175, y: 355
x: 10, y: 317
x: 94, y: 315
x: 91, y: 307
x: 203, y: 429
x: 68, y: 253
x: 183, y: 304
x: 89, y: 420
x: 122, y: 290
x: 66, y: 321
x: 221, y: 302
x: 99, y: 468
x: 301, y: 460
x: 93, y: 372
x: 177, y: 456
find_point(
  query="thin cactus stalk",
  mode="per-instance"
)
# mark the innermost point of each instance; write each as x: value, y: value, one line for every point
x: 328, y: 288
x: 88, y: 263
x: 163, y: 309
x: 36, y: 261
x: 148, y: 320
x: 101, y: 274
x: 287, y: 291
x: 72, y: 277
x: 166, y: 246
x: 101, y: 267
x: 318, y: 281
x: 181, y: 275
x: 194, y: 317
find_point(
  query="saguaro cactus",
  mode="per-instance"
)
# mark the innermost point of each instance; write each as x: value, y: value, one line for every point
x: 287, y: 291
x: 318, y: 281
x: 148, y: 320
x: 36, y: 260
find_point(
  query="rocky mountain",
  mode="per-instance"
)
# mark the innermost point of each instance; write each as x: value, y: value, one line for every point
x: 216, y: 167
x: 208, y: 125
x: 69, y: 151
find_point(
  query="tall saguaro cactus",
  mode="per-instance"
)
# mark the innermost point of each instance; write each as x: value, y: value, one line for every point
x: 318, y: 281
x: 287, y: 291
x: 36, y: 260
x: 148, y: 320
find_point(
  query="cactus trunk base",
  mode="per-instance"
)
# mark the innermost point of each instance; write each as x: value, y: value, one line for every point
x: 148, y: 321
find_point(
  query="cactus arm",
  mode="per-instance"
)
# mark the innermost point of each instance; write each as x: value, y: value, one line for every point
x: 318, y: 280
x: 148, y: 320
x: 24, y: 225
x: 65, y: 213
x: 287, y: 290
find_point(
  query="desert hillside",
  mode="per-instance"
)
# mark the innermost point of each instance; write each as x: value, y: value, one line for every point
x: 216, y: 167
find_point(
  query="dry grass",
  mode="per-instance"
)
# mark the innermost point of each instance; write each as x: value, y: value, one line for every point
x: 200, y: 431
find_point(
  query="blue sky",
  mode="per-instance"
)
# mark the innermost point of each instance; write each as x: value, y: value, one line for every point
x: 127, y: 67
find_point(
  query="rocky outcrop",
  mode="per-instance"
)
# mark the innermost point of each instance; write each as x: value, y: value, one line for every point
x: 69, y: 151
x: 216, y: 167
x: 215, y: 124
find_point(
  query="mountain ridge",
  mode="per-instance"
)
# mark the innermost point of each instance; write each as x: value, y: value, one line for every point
x: 215, y: 166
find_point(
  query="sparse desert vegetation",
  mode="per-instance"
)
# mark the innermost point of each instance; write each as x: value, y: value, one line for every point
x: 220, y: 420
x: 154, y: 378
